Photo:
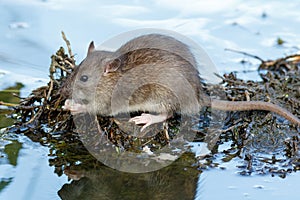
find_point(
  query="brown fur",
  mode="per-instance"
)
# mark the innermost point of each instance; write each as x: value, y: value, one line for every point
x: 153, y: 73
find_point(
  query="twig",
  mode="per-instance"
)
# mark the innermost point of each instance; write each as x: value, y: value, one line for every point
x: 50, y: 89
x: 232, y: 126
x: 246, y: 54
x: 11, y: 91
x: 219, y: 76
x: 35, y: 116
x: 8, y: 104
x: 68, y: 44
x: 31, y: 108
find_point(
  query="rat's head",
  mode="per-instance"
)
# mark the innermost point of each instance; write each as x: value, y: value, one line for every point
x: 92, y: 82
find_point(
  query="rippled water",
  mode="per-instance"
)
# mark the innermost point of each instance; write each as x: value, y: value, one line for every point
x: 30, y: 34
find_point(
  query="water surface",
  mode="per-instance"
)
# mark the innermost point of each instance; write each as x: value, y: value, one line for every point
x: 30, y: 34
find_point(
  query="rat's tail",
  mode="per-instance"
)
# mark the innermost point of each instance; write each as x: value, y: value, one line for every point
x: 253, y: 105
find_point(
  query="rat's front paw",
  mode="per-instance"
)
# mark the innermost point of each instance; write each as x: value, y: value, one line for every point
x: 75, y: 108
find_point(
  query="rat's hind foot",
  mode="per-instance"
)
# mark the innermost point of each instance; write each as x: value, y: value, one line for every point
x: 148, y: 119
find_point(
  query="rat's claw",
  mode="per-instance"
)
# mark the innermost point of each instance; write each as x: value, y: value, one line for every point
x: 148, y: 119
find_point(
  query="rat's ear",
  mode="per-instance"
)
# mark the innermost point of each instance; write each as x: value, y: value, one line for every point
x: 91, y: 48
x: 112, y: 66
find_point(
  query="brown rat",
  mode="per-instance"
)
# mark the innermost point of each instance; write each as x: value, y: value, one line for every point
x: 151, y: 73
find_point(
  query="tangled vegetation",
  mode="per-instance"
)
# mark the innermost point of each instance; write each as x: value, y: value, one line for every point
x: 262, y: 141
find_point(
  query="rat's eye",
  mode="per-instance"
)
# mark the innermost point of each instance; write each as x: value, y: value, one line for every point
x: 84, y: 78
